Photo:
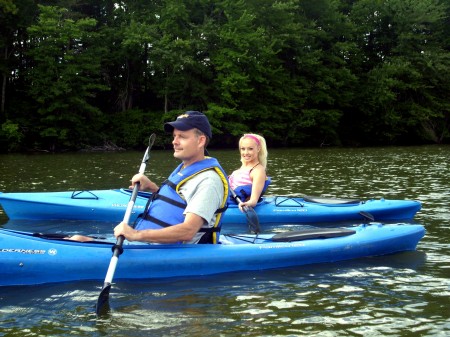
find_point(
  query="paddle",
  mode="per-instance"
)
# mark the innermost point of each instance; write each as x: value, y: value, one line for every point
x: 250, y: 213
x: 102, y: 306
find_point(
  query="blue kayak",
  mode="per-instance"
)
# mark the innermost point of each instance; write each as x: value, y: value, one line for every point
x: 110, y: 205
x: 35, y: 258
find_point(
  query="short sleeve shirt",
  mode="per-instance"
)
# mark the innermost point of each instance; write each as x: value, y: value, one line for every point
x: 204, y: 195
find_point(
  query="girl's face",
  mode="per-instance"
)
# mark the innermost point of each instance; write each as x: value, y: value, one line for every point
x: 249, y: 150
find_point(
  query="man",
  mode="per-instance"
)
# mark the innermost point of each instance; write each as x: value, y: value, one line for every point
x: 188, y: 207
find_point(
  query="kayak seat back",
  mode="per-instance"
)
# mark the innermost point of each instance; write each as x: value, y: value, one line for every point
x: 315, y: 233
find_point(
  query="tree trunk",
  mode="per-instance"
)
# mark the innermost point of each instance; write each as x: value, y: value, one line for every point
x: 4, y: 79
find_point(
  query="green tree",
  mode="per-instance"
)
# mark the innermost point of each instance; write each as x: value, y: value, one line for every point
x: 65, y: 78
x: 405, y: 91
x: 15, y: 16
x: 235, y: 50
x: 8, y: 10
x: 300, y: 72
x: 323, y: 70
x: 252, y: 89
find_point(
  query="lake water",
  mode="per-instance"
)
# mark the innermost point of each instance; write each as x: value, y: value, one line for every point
x: 405, y: 294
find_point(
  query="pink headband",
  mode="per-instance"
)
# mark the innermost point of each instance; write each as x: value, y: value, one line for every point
x: 254, y: 138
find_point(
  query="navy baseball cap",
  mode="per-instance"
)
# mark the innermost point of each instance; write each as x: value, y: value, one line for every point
x: 190, y: 120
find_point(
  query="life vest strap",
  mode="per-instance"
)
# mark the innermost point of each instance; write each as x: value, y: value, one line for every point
x: 210, y: 230
x: 170, y: 183
x: 159, y: 222
x: 209, y: 235
x: 221, y: 210
x: 170, y: 201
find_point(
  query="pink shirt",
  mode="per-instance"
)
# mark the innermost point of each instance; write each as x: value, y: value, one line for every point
x: 240, y: 177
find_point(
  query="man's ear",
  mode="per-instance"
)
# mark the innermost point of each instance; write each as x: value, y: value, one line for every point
x: 202, y: 140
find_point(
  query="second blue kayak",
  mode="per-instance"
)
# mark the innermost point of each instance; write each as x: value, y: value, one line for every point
x: 110, y: 205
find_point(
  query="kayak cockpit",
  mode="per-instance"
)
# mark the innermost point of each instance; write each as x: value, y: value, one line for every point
x: 291, y: 236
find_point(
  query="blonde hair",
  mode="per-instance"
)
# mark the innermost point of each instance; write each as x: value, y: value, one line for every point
x: 261, y: 142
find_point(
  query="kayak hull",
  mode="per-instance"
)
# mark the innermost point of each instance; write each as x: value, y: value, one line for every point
x: 110, y: 205
x: 27, y: 260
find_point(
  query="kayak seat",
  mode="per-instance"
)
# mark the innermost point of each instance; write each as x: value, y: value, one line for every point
x: 315, y: 233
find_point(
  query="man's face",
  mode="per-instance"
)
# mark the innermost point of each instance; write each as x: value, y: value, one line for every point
x: 188, y: 145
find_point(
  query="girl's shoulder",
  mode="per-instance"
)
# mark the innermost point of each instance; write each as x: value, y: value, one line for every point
x: 258, y: 169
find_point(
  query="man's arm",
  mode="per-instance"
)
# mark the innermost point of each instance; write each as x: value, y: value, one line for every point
x: 184, y: 231
x: 203, y: 194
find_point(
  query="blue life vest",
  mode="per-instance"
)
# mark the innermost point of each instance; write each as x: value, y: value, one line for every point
x: 167, y: 206
x: 244, y: 192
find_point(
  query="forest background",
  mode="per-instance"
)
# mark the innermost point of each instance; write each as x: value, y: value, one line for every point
x: 78, y: 74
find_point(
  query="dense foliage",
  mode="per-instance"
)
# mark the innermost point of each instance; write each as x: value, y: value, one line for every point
x: 81, y: 73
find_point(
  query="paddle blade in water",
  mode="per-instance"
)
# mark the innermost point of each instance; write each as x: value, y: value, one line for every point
x: 102, y: 307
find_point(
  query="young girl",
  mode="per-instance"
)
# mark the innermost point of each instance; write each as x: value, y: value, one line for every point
x: 250, y: 181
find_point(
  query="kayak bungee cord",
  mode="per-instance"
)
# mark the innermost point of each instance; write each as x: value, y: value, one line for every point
x: 102, y: 306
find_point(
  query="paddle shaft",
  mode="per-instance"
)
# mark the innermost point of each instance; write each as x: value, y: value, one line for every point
x: 103, y: 299
x: 121, y: 238
x: 235, y: 197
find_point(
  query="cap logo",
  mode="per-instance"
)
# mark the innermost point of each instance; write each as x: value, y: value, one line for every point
x: 183, y: 116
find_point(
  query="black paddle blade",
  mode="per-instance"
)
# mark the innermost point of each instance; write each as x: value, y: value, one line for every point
x: 252, y: 219
x: 102, y: 307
